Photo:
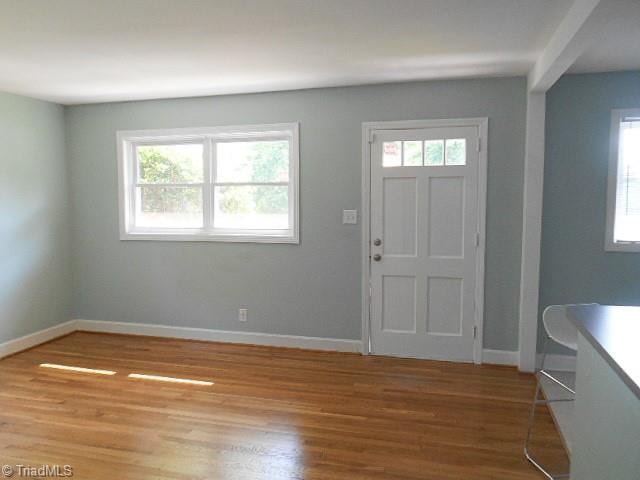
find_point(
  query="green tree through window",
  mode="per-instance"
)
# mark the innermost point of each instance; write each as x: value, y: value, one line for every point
x: 163, y: 164
x: 268, y: 161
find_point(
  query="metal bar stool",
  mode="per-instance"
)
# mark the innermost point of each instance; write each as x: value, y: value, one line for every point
x: 558, y: 328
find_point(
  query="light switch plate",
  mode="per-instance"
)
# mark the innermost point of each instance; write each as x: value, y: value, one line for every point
x: 349, y: 216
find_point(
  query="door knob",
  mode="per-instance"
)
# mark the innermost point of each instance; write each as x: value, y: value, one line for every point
x: 377, y: 242
x: 377, y: 257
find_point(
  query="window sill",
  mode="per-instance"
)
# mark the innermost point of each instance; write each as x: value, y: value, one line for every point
x: 210, y: 237
x: 622, y: 247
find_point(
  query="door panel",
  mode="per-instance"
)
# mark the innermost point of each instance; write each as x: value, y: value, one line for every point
x: 399, y: 216
x: 398, y: 303
x: 445, y: 209
x: 444, y: 306
x: 424, y: 212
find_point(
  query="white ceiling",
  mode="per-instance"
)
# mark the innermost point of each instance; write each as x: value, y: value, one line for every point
x: 82, y: 51
x: 618, y: 46
x: 78, y: 51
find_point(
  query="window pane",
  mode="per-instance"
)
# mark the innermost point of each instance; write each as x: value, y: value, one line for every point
x: 434, y: 152
x: 251, y: 207
x: 391, y: 152
x: 627, y: 219
x: 169, y: 207
x: 456, y: 151
x: 412, y: 152
x: 253, y: 161
x: 170, y: 163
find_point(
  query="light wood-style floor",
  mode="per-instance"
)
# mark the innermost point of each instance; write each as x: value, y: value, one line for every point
x: 272, y: 414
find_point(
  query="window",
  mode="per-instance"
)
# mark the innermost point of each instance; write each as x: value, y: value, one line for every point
x: 428, y: 153
x: 623, y: 199
x: 210, y: 184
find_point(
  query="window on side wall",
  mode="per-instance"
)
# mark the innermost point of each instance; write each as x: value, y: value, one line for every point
x: 235, y: 184
x: 623, y: 196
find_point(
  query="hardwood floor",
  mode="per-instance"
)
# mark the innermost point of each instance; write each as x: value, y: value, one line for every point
x: 271, y: 413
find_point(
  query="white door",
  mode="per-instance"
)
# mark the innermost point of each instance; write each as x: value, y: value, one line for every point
x: 424, y: 236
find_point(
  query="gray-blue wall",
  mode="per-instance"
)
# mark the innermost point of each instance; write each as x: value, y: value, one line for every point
x: 313, y: 288
x: 574, y: 265
x: 308, y: 289
x: 34, y: 233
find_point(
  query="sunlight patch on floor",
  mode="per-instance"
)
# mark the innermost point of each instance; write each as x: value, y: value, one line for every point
x: 72, y: 368
x: 169, y: 379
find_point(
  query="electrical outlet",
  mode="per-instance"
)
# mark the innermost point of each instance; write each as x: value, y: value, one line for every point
x: 349, y: 217
x: 242, y: 314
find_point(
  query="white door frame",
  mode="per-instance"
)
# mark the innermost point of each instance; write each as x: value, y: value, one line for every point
x: 368, y: 128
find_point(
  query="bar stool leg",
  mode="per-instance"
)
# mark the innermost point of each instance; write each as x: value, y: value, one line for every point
x: 532, y: 414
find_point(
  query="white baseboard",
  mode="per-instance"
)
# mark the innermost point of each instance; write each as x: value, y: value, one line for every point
x: 559, y: 363
x: 33, y: 339
x: 190, y: 333
x: 489, y: 356
x: 500, y: 357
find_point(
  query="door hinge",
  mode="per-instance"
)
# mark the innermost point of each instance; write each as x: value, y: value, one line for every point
x: 479, y: 144
x: 475, y: 332
x: 372, y: 138
x: 477, y: 239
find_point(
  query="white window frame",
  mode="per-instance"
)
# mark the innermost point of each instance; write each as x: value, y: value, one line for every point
x: 128, y: 140
x: 611, y: 245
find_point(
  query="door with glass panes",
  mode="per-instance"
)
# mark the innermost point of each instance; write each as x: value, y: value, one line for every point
x: 424, y: 236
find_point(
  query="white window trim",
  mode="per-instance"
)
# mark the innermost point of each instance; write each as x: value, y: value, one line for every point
x: 126, y: 142
x: 610, y: 245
